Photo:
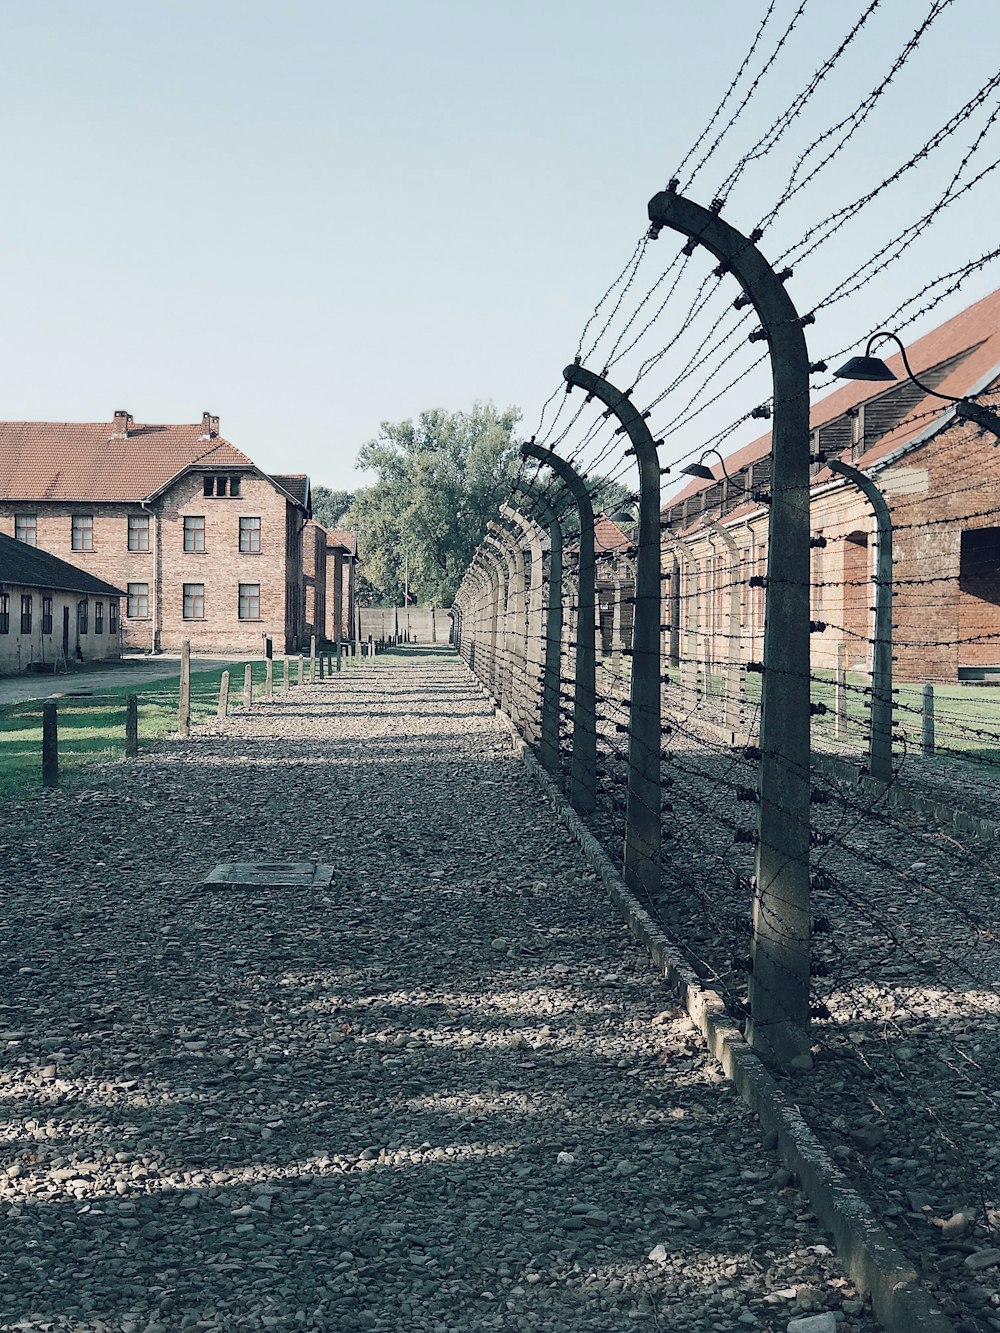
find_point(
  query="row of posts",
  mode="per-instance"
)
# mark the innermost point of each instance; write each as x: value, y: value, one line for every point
x: 779, y: 1021
x: 316, y: 667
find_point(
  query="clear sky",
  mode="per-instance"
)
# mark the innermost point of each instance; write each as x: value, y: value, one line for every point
x: 311, y: 216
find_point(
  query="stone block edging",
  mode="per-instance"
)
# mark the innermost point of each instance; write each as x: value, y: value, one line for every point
x: 869, y: 1254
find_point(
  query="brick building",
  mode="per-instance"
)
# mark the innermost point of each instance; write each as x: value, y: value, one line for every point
x: 52, y: 613
x: 342, y: 558
x: 314, y: 568
x: 207, y: 546
x: 941, y: 478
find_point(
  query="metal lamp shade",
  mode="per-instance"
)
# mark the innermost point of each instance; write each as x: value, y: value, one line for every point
x: 864, y: 368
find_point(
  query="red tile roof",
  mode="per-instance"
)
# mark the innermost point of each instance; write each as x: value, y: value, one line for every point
x: 608, y: 536
x: 977, y: 328
x: 44, y: 460
x: 342, y: 537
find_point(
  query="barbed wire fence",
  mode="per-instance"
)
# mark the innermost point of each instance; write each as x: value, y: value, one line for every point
x: 903, y: 952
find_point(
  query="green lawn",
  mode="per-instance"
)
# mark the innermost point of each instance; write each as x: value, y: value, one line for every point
x: 93, y: 726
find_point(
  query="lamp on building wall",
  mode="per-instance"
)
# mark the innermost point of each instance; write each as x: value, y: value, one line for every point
x: 870, y: 367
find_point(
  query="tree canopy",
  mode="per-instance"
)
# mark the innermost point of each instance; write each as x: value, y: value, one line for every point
x: 330, y: 508
x: 438, y: 482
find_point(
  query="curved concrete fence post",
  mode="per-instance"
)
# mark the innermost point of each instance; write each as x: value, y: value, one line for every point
x: 583, y: 766
x: 534, y: 622
x: 643, y: 812
x: 779, y: 982
x: 731, y: 673
x: 517, y: 634
x: 548, y: 741
x: 504, y: 557
x: 688, y: 599
x: 495, y: 619
x: 880, y: 727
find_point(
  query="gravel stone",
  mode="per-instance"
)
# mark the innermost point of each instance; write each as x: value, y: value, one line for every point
x: 430, y: 1095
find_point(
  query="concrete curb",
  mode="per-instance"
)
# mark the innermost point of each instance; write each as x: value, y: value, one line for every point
x: 867, y: 1251
x: 848, y: 773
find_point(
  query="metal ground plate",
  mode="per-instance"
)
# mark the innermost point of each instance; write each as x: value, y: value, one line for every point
x: 270, y: 875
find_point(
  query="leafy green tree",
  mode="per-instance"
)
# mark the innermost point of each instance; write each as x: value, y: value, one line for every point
x: 330, y: 507
x: 438, y: 482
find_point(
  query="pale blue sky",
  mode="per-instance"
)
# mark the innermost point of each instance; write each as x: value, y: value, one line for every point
x: 309, y: 217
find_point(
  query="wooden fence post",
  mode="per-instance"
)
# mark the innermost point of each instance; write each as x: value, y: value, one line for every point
x: 248, y: 685
x: 50, y: 744
x: 927, y: 722
x: 312, y: 659
x: 840, y: 693
x: 184, y: 691
x: 224, y: 695
x: 131, y: 726
x: 268, y: 677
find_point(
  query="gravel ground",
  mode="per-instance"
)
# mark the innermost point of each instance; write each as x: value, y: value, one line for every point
x: 906, y: 984
x: 444, y: 1093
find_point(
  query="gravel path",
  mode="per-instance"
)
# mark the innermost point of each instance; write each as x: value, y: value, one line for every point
x: 906, y: 983
x: 446, y: 1093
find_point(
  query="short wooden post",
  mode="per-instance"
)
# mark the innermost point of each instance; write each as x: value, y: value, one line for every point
x: 302, y: 669
x: 224, y: 695
x: 312, y: 659
x: 322, y: 666
x: 927, y: 722
x: 50, y: 744
x: 268, y: 677
x: 131, y: 726
x: 286, y: 678
x: 340, y: 652
x: 840, y: 693
x: 248, y: 685
x: 184, y: 691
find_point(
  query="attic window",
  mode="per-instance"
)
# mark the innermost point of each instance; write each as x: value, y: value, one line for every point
x: 219, y: 485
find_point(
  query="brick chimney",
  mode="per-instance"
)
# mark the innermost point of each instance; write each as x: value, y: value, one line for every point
x: 119, y: 429
x: 209, y: 426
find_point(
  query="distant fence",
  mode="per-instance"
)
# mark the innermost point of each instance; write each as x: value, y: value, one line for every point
x: 415, y: 624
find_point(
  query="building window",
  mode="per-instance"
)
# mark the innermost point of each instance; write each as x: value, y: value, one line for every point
x: 194, y: 532
x: 113, y: 617
x: 46, y: 615
x: 216, y: 487
x: 138, y: 532
x: 83, y: 532
x: 26, y: 528
x: 250, y: 536
x: 4, y: 613
x: 138, y: 601
x: 83, y: 616
x: 194, y: 601
x: 98, y: 617
x: 249, y: 601
x: 25, y: 612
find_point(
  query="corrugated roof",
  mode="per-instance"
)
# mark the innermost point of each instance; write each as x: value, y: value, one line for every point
x: 45, y: 460
x: 976, y: 330
x: 32, y: 568
x: 342, y: 537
